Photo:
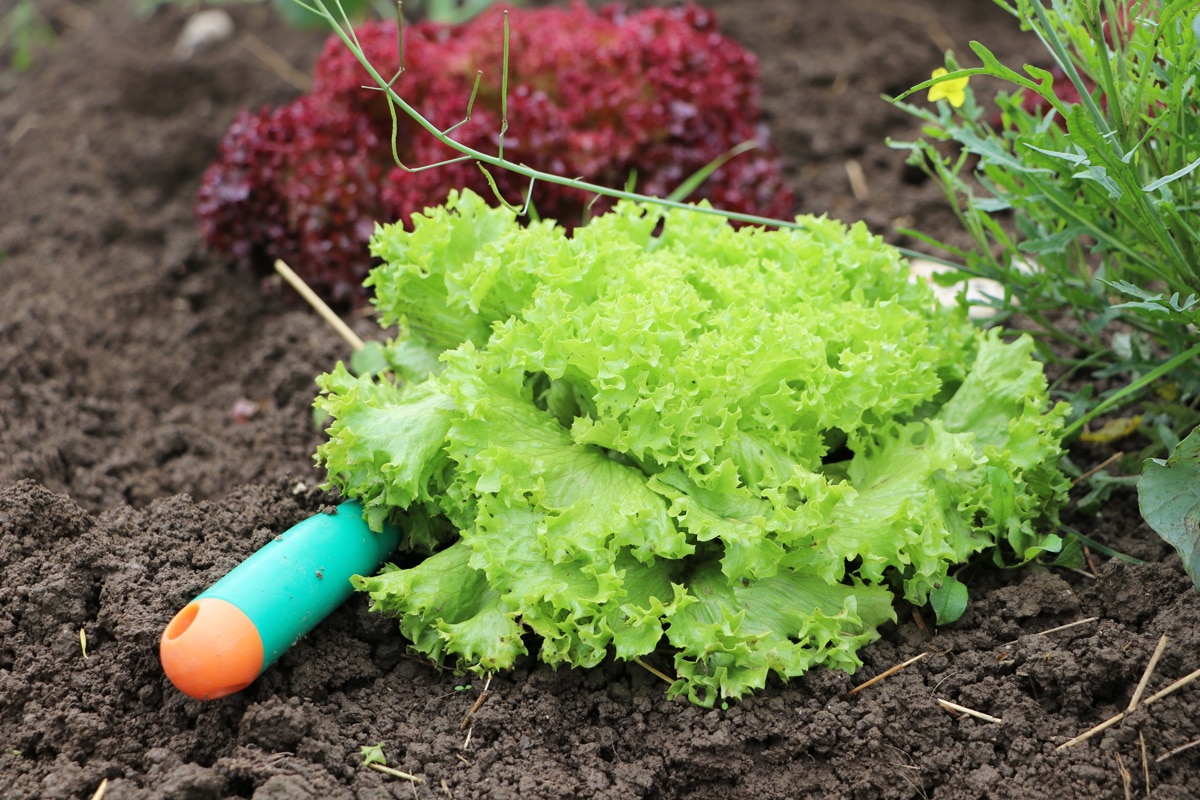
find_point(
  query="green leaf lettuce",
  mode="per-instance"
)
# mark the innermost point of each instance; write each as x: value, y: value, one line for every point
x: 662, y: 433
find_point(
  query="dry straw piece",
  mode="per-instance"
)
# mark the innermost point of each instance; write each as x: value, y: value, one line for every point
x: 1176, y: 751
x: 886, y: 673
x: 1133, y: 703
x: 326, y: 313
x: 1141, y: 687
x: 1069, y: 625
x: 970, y: 712
x: 395, y: 773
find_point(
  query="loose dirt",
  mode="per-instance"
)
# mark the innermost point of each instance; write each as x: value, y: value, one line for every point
x: 155, y: 429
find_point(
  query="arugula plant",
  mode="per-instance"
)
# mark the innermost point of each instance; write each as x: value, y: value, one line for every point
x: 1079, y: 195
x: 738, y: 446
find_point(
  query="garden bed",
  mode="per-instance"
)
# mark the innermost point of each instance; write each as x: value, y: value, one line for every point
x: 156, y: 428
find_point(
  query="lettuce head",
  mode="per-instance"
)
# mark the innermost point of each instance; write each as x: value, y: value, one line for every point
x: 733, y: 448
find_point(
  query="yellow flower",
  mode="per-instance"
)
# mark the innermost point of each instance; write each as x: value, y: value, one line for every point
x: 954, y: 91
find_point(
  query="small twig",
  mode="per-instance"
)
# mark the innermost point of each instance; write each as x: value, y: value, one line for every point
x: 1126, y: 778
x: 1103, y: 726
x: 1081, y: 573
x: 1154, y: 698
x: 655, y: 671
x: 1145, y: 762
x: 1056, y: 630
x: 970, y: 712
x: 1141, y: 687
x: 1133, y: 703
x: 100, y: 790
x: 1176, y: 751
x: 326, y: 313
x: 24, y: 125
x: 1179, y: 684
x: 885, y: 674
x: 1065, y: 627
x: 1097, y: 468
x: 275, y: 62
x: 479, y: 701
x: 395, y: 773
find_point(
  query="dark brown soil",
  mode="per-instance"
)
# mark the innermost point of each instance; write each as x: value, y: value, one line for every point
x: 131, y: 478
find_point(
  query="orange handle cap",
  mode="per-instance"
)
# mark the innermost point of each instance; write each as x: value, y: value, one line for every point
x: 211, y: 649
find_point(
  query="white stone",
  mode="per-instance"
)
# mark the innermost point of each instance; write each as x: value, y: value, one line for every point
x: 203, y: 29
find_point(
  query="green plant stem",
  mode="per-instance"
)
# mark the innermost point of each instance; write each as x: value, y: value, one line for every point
x: 344, y: 31
x: 1046, y: 32
x: 1100, y: 548
x: 1118, y: 397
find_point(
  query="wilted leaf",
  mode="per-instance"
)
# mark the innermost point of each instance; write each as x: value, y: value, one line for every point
x: 1113, y: 430
x: 372, y: 754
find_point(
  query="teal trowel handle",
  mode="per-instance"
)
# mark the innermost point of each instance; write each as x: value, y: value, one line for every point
x: 225, y: 638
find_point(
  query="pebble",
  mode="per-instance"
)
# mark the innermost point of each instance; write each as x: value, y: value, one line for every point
x: 203, y: 29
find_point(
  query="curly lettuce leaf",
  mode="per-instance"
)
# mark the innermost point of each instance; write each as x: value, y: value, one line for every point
x: 734, y: 635
x: 1003, y: 405
x: 666, y: 433
x: 446, y: 606
x: 388, y: 442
